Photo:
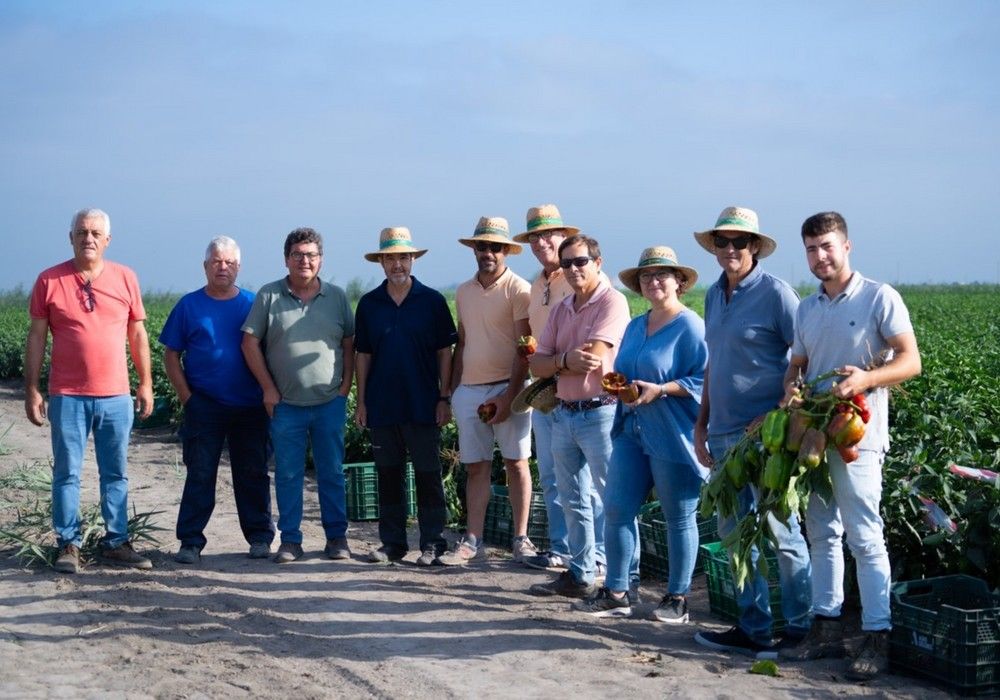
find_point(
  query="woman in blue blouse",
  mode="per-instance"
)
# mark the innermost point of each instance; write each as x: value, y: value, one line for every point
x: 664, y: 353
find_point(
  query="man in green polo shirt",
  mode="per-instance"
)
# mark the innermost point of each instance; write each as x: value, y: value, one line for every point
x: 299, y: 343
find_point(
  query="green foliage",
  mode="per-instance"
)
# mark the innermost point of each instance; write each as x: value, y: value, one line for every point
x: 26, y: 510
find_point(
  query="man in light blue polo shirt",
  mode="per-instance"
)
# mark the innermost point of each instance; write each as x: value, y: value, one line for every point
x: 861, y: 328
x: 749, y: 328
x: 298, y: 342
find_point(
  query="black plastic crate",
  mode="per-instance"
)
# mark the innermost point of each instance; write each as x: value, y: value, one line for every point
x: 948, y: 629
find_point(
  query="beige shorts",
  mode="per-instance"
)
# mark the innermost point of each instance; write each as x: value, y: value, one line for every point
x: 476, y: 439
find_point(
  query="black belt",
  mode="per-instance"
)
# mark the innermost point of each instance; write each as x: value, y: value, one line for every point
x: 587, y: 404
x: 499, y: 381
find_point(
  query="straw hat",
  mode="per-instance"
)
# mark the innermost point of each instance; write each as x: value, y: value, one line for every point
x: 657, y: 256
x: 737, y: 219
x: 492, y: 229
x: 394, y: 240
x: 539, y: 395
x: 545, y: 217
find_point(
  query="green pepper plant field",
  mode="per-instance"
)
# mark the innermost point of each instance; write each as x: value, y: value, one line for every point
x: 938, y: 519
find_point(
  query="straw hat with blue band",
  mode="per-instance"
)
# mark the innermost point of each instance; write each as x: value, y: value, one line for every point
x: 545, y: 217
x: 740, y: 220
x: 657, y: 256
x: 394, y: 240
x: 492, y: 229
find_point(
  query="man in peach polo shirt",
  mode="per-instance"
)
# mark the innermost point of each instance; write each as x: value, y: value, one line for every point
x: 579, y: 345
x: 487, y: 371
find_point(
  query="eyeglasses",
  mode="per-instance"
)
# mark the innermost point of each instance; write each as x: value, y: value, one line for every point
x: 658, y: 275
x: 87, y: 298
x: 543, y: 236
x: 739, y: 243
x: 482, y: 247
x: 298, y: 256
x: 581, y: 261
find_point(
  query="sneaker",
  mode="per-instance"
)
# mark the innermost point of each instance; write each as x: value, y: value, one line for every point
x: 786, y: 641
x: 634, y: 597
x: 188, y: 554
x: 547, y: 561
x: 523, y: 548
x: 565, y: 584
x: 429, y: 557
x: 873, y: 657
x: 384, y: 555
x: 259, y: 550
x: 68, y: 561
x: 734, y: 639
x: 825, y: 640
x: 288, y: 552
x: 673, y: 609
x: 464, y: 552
x: 337, y: 548
x: 125, y: 555
x: 605, y: 605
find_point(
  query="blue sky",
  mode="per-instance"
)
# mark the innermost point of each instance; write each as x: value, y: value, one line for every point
x: 641, y: 120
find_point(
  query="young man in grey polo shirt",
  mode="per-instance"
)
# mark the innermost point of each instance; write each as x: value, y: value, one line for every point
x: 862, y: 329
x: 299, y: 343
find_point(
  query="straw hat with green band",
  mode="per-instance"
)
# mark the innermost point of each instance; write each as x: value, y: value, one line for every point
x: 657, y: 256
x: 539, y: 395
x: 492, y: 229
x: 394, y: 240
x: 545, y: 217
x: 740, y: 220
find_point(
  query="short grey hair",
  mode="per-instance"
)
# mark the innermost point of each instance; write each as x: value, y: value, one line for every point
x: 91, y: 214
x: 222, y: 243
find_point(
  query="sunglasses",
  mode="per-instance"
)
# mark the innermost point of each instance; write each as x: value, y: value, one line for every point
x: 566, y: 263
x: 739, y: 243
x: 492, y: 247
x: 87, y: 298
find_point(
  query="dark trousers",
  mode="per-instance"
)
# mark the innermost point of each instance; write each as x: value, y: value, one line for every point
x: 208, y: 425
x: 390, y: 445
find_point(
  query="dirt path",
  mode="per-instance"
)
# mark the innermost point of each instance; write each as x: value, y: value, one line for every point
x: 235, y: 627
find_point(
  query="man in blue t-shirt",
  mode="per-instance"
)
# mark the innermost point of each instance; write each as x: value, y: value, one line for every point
x: 403, y: 336
x: 222, y: 403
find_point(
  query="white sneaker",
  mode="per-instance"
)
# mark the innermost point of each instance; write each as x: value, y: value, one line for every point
x: 463, y: 553
x: 523, y: 548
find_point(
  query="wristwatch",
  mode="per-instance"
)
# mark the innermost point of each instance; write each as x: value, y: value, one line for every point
x: 446, y: 399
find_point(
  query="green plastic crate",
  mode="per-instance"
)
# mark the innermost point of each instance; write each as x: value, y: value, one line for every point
x: 947, y: 629
x: 362, y: 491
x: 722, y: 589
x: 498, y: 528
x: 653, y: 561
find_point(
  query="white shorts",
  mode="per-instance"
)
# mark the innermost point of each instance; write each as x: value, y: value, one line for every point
x: 475, y: 438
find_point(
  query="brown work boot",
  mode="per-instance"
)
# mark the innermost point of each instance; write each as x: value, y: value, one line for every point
x: 125, y: 555
x: 824, y: 641
x: 68, y: 561
x: 873, y: 657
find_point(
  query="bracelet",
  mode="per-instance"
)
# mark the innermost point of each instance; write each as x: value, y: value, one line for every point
x: 663, y: 390
x: 446, y: 399
x: 562, y: 362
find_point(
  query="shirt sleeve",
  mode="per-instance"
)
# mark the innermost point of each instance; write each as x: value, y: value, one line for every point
x: 136, y: 311
x: 256, y: 322
x: 894, y: 317
x: 695, y: 356
x: 610, y: 324
x: 38, y: 304
x: 345, y: 306
x: 173, y: 334
x: 547, y: 339
x: 361, y: 339
x: 444, y: 324
x: 788, y: 306
x: 521, y: 300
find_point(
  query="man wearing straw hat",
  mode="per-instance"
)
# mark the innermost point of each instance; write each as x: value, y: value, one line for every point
x: 579, y: 344
x: 298, y: 342
x: 492, y: 314
x: 545, y: 232
x: 403, y: 336
x: 861, y: 329
x: 749, y: 328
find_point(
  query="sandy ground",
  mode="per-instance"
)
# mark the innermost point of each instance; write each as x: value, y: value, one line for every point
x: 235, y: 627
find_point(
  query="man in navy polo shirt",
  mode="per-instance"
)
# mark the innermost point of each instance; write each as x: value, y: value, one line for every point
x: 222, y: 403
x: 403, y: 337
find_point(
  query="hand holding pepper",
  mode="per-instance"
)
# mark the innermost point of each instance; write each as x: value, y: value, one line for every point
x: 854, y: 380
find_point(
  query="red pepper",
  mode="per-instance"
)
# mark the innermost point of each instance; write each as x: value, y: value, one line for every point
x: 859, y: 401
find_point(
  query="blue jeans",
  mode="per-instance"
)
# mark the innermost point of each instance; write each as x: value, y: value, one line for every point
x: 581, y: 450
x: 793, y: 565
x: 208, y: 425
x: 854, y: 510
x: 541, y: 424
x: 633, y: 473
x: 390, y: 445
x: 72, y: 419
x: 322, y: 427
